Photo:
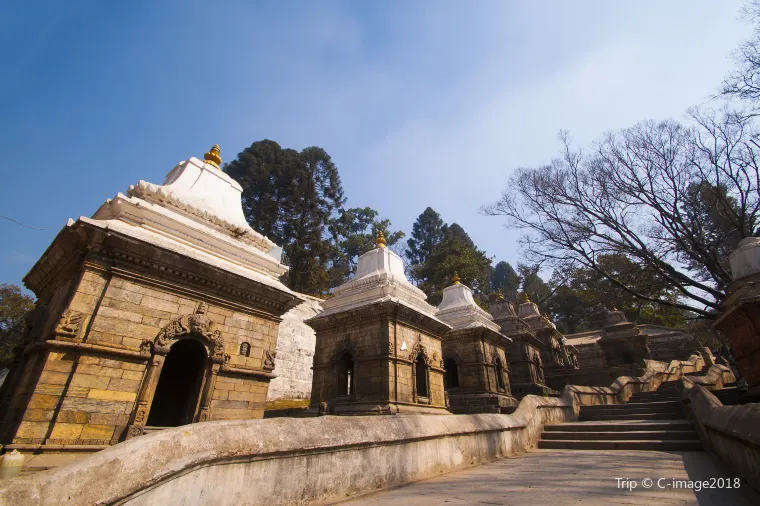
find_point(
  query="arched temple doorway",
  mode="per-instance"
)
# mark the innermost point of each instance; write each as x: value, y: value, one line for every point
x: 179, y: 385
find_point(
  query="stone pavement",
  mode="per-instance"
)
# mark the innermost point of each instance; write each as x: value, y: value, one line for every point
x: 560, y: 477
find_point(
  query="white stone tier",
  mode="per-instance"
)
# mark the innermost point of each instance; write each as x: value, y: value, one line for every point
x: 459, y: 309
x: 197, y: 213
x: 379, y: 278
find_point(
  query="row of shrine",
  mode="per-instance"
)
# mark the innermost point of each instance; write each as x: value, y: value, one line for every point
x: 163, y: 309
x: 381, y: 348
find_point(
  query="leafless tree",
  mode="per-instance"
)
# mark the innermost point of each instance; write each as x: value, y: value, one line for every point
x: 743, y: 82
x: 674, y: 199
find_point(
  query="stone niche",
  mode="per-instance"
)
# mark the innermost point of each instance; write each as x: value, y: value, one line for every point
x: 523, y: 352
x: 378, y: 344
x: 160, y: 310
x: 477, y: 378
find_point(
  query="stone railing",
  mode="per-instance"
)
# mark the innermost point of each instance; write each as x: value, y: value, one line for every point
x: 283, y: 461
x: 730, y: 433
x: 625, y: 386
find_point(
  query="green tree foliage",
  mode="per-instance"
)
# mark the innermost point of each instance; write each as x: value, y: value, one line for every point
x: 454, y: 253
x: 504, y: 278
x: 292, y: 198
x: 354, y: 233
x: 532, y: 284
x: 580, y: 289
x: 743, y: 82
x: 14, y: 307
x: 427, y: 232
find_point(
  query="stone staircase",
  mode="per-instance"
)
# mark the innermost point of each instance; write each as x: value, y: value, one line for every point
x: 648, y: 421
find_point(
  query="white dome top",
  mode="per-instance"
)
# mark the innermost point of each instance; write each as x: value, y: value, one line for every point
x: 379, y: 277
x: 460, y: 310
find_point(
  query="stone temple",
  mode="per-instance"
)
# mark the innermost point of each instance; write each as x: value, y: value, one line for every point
x: 160, y: 310
x: 378, y: 344
x: 474, y: 355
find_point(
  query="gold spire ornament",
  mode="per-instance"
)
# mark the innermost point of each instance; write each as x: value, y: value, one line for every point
x: 380, y: 241
x: 524, y: 296
x: 499, y: 294
x: 457, y: 281
x: 213, y: 156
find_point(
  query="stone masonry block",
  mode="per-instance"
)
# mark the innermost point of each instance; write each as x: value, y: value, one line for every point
x: 97, y: 432
x: 82, y: 379
x: 111, y: 395
x: 39, y: 401
x: 66, y: 430
x: 54, y: 378
x: 32, y: 430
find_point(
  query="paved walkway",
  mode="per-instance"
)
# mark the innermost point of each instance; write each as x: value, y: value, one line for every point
x: 560, y: 477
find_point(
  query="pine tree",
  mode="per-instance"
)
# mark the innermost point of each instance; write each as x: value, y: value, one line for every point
x: 427, y: 231
x: 292, y: 198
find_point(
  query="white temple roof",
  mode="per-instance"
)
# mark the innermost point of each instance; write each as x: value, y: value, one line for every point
x: 379, y: 277
x: 197, y: 212
x: 459, y: 309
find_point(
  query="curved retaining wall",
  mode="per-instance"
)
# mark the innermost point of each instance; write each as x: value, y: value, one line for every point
x: 283, y: 461
x: 731, y: 433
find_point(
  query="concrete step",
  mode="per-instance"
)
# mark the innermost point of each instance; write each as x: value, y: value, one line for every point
x: 630, y: 416
x: 636, y: 435
x: 664, y: 405
x: 631, y: 411
x: 621, y: 426
x: 651, y: 445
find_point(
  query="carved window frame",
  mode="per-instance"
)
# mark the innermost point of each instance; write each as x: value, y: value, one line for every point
x: 418, y: 351
x: 343, y: 348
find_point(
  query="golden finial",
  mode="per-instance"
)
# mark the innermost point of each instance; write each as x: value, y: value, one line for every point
x: 524, y: 296
x: 212, y: 156
x: 614, y: 308
x: 380, y: 241
x: 499, y: 294
x: 457, y: 281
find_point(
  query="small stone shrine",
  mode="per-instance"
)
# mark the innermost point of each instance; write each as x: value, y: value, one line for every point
x: 523, y: 352
x: 739, y: 317
x: 378, y: 344
x: 160, y: 310
x: 555, y: 354
x: 474, y: 357
x: 622, y: 342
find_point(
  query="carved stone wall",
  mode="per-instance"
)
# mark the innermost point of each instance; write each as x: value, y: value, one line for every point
x: 478, y: 388
x: 109, y: 315
x: 383, y: 340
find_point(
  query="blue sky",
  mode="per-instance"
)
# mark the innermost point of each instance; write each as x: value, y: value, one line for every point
x: 419, y: 103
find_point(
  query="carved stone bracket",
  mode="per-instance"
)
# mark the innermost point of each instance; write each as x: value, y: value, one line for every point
x: 69, y: 325
x: 269, y: 360
x: 196, y: 323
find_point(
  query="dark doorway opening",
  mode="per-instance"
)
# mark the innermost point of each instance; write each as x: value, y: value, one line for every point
x: 627, y: 357
x: 346, y: 375
x: 179, y: 385
x: 421, y: 373
x: 452, y: 374
x: 499, y: 374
